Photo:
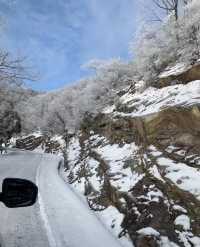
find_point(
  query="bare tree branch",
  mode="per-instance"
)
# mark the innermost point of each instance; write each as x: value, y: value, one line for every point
x: 13, y: 70
x: 170, y: 6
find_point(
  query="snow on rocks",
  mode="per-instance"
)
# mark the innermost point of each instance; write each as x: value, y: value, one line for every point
x: 96, y: 140
x: 94, y: 179
x: 36, y: 134
x: 179, y: 208
x: 112, y: 219
x: 154, y: 195
x: 165, y: 242
x: 153, y: 100
x: 185, y: 177
x: 184, y: 221
x: 140, y: 86
x: 154, y: 151
x: 174, y: 70
x: 116, y: 156
x: 108, y: 109
x: 59, y: 139
x: 148, y: 231
x: 185, y: 238
x: 154, y: 171
x: 115, y: 152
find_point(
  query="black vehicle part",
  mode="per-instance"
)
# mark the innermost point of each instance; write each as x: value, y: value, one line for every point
x: 18, y: 192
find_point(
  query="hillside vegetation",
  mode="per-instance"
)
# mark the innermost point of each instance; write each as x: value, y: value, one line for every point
x: 155, y: 48
x: 133, y: 148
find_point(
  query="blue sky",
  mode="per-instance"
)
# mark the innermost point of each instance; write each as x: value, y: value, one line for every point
x: 58, y: 36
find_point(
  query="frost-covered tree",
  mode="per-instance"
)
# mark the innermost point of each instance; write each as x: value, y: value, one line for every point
x: 11, y: 97
x: 12, y: 75
x: 12, y: 70
x: 190, y: 32
x: 56, y: 112
x: 161, y: 45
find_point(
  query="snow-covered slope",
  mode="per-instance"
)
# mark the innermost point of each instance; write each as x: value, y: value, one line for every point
x: 137, y: 163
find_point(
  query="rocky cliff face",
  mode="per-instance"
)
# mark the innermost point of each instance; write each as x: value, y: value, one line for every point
x: 138, y: 165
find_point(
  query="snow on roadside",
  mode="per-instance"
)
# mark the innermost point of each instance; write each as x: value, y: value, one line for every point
x: 112, y: 219
x: 71, y: 221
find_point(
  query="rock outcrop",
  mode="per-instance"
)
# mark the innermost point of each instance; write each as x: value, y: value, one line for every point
x: 179, y: 74
x: 43, y: 142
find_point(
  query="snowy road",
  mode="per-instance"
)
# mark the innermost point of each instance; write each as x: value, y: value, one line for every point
x: 59, y: 218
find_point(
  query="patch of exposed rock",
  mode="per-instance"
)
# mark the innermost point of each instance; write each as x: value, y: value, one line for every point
x: 43, y: 142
